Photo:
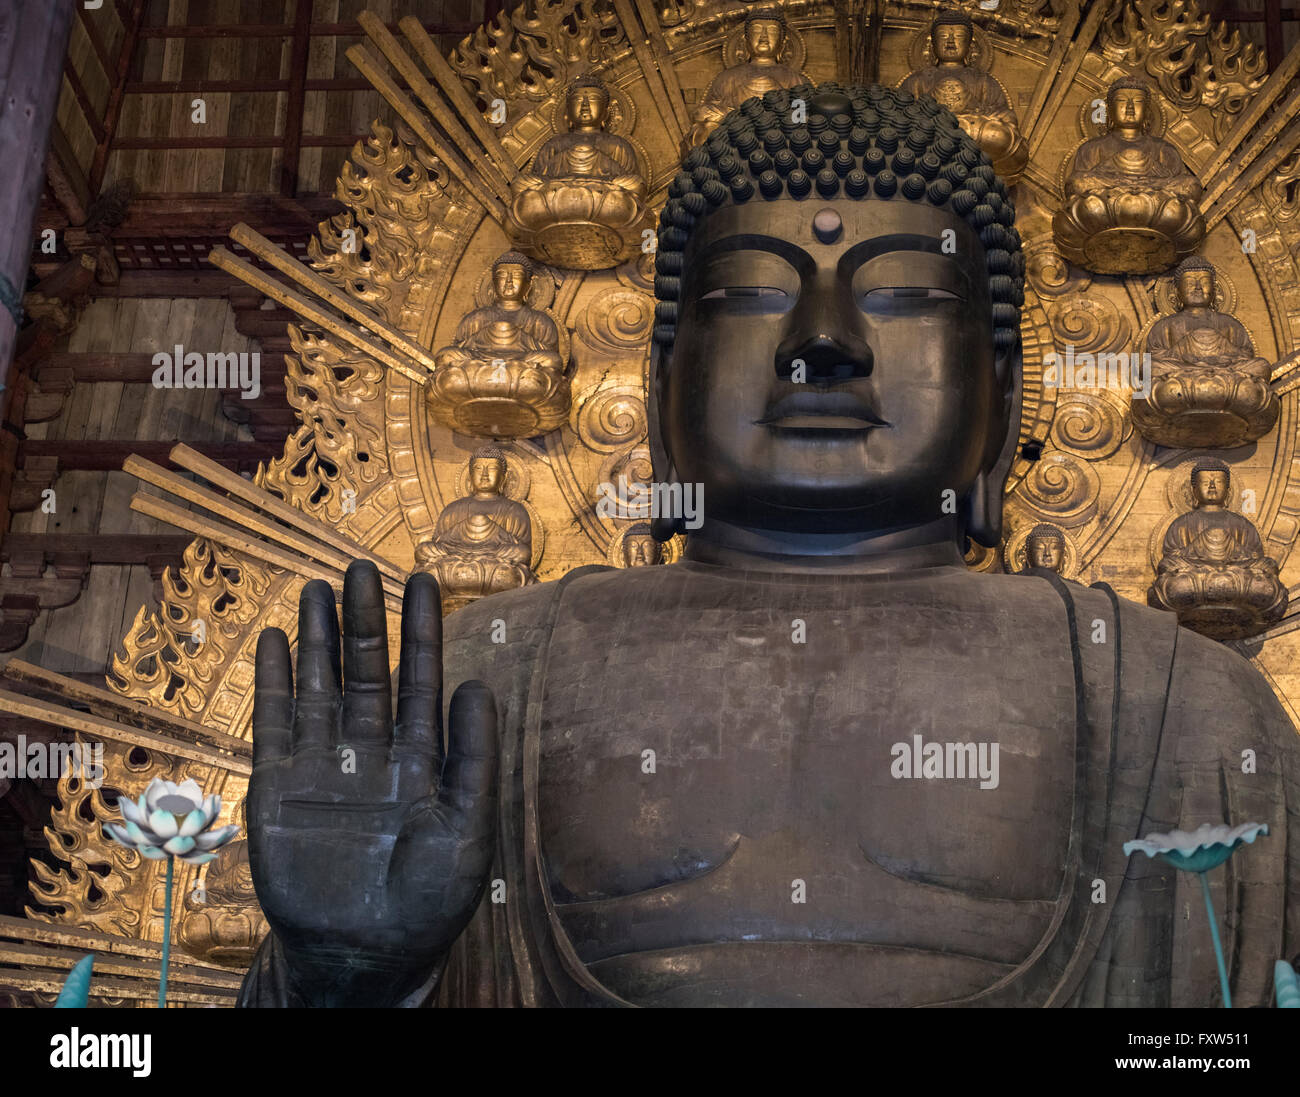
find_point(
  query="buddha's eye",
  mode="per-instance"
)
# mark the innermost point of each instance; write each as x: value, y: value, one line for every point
x: 745, y: 291
x: 887, y: 299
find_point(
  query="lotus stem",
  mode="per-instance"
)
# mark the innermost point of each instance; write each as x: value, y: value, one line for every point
x: 167, y: 935
x: 1214, y: 936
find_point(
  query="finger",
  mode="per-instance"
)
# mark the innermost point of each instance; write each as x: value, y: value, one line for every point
x: 367, y: 686
x: 272, y: 697
x: 316, y: 711
x: 419, y: 676
x: 468, y: 790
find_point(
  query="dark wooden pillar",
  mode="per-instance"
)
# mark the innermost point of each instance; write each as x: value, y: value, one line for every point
x: 33, y: 44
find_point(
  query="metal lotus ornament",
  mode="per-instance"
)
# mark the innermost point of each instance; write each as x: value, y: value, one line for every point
x: 1198, y: 851
x: 170, y: 821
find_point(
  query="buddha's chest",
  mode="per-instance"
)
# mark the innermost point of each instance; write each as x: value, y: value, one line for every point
x: 755, y: 746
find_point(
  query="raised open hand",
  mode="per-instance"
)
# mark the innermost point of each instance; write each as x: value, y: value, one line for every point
x: 369, y: 851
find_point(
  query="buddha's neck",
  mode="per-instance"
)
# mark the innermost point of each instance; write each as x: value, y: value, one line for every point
x: 726, y: 545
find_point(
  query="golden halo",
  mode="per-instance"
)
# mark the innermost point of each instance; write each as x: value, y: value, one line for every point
x: 793, y: 53
x: 920, y: 54
x: 622, y: 111
x: 1225, y: 293
x: 1014, y: 550
x: 672, y: 550
x: 1090, y: 129
x: 518, y: 479
x: 541, y: 293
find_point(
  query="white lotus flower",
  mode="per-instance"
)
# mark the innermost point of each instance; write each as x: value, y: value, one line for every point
x: 172, y: 820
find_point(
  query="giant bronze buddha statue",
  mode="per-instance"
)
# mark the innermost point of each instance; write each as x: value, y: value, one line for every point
x: 679, y: 780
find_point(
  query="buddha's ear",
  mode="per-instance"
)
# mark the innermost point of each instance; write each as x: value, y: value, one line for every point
x: 984, y: 504
x: 661, y: 462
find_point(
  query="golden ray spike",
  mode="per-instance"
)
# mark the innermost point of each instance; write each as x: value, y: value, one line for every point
x: 310, y: 311
x: 309, y: 280
x: 665, y: 65
x: 46, y: 712
x: 104, y: 702
x: 249, y: 520
x: 233, y: 484
x: 1254, y: 112
x: 368, y: 65
x: 239, y: 541
x: 1229, y: 194
x: 649, y: 71
x: 427, y: 50
x: 1265, y: 140
x: 1047, y: 76
x: 433, y: 103
x: 1072, y: 60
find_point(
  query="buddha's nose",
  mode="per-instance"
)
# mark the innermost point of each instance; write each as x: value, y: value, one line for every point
x: 823, y: 359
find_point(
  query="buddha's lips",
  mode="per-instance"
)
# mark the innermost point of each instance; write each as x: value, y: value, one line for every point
x: 821, y: 411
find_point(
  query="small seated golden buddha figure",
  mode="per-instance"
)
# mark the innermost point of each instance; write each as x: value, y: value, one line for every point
x: 503, y: 375
x: 639, y: 548
x: 1208, y: 387
x: 766, y: 35
x: 1213, y: 573
x: 483, y: 543
x: 222, y: 922
x: 1131, y: 205
x: 1045, y: 548
x: 581, y: 203
x: 975, y: 97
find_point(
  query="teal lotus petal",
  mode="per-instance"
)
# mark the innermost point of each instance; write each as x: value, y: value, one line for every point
x: 1286, y: 984
x: 156, y: 789
x: 198, y: 858
x: 131, y: 811
x: 179, y: 844
x: 141, y: 837
x: 153, y: 853
x: 215, y: 839
x: 1200, y: 850
x: 189, y: 788
x: 194, y: 822
x: 120, y: 835
x: 163, y: 823
x: 76, y: 987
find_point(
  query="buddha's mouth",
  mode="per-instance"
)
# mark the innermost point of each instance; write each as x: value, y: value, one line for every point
x: 806, y: 411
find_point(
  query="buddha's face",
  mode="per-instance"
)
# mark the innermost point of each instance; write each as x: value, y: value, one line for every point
x: 1210, y: 486
x: 1045, y: 552
x: 950, y: 43
x: 764, y: 37
x: 1196, y: 288
x: 854, y: 378
x: 640, y: 550
x: 1128, y: 108
x: 510, y: 280
x: 487, y: 475
x: 588, y: 107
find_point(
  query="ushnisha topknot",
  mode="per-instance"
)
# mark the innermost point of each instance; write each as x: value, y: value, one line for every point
x: 1130, y: 81
x: 953, y: 19
x: 1193, y: 262
x: 770, y: 15
x: 1046, y: 529
x: 489, y: 453
x: 1211, y: 464
x: 515, y: 259
x: 857, y: 142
